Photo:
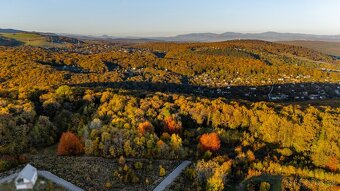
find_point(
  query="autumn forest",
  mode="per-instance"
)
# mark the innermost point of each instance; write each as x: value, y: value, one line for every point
x: 249, y: 114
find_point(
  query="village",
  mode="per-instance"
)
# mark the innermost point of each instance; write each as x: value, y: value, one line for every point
x: 284, y: 88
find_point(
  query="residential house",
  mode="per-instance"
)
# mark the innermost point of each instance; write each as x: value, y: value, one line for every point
x: 26, y: 178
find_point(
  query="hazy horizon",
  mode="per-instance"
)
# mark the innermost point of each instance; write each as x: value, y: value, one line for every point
x: 161, y: 36
x: 147, y: 18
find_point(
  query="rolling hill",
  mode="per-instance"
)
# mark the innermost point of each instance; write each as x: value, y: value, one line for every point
x: 9, y: 42
x: 10, y: 31
x: 12, y: 37
x: 330, y: 48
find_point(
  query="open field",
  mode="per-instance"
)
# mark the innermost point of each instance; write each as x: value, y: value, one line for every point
x: 94, y: 173
x: 32, y: 39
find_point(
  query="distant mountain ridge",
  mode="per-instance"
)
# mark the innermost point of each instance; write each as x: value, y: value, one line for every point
x: 213, y: 37
x: 10, y: 31
x: 205, y: 37
x: 267, y: 36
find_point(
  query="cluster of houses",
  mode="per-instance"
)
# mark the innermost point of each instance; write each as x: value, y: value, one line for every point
x: 100, y: 48
x: 278, y: 92
x: 206, y: 84
x: 207, y: 80
x: 85, y: 48
x: 298, y: 92
x: 288, y: 87
x: 212, y: 80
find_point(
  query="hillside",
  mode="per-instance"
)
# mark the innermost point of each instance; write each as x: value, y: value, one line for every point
x: 9, y: 42
x: 210, y: 65
x: 247, y: 113
x: 10, y: 31
x: 15, y: 38
x: 330, y: 48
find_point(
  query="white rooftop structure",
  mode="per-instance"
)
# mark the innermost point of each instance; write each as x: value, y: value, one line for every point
x: 26, y: 178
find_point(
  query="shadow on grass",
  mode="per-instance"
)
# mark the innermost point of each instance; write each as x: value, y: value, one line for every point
x: 275, y: 182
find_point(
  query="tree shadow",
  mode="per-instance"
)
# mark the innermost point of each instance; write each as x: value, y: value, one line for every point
x: 10, y: 42
x: 111, y: 66
x: 288, y: 92
x: 64, y: 67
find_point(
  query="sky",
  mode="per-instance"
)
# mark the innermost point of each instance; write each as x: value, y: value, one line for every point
x: 171, y: 17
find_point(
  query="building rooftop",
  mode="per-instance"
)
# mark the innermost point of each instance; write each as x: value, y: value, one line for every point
x: 28, y: 172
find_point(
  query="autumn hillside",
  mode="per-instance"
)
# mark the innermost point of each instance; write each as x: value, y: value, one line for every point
x: 330, y: 48
x: 250, y: 115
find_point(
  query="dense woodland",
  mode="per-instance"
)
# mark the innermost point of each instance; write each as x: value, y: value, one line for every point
x: 46, y: 95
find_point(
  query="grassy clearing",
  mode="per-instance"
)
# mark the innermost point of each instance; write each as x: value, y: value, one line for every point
x: 22, y: 36
x: 95, y: 173
x: 274, y: 180
x: 31, y: 39
x: 27, y: 38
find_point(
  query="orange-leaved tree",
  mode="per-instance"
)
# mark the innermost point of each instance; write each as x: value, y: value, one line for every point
x: 210, y: 141
x: 70, y: 144
x: 332, y: 164
x: 171, y: 125
x: 145, y: 127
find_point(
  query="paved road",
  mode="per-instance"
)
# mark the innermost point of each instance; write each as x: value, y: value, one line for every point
x: 59, y: 181
x: 172, y: 176
x: 49, y: 176
x: 8, y: 178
